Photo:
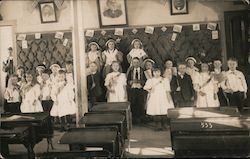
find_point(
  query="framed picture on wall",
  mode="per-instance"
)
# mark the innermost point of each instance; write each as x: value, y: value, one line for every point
x: 112, y: 13
x: 179, y: 7
x: 47, y: 12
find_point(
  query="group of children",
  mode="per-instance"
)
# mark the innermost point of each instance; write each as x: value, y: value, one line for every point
x: 50, y: 90
x: 149, y: 89
x: 152, y: 91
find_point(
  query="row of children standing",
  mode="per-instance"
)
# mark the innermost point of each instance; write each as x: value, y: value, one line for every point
x: 148, y: 88
x: 52, y: 90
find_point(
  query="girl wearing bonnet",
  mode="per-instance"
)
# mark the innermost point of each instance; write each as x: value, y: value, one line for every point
x: 110, y: 55
x: 94, y: 55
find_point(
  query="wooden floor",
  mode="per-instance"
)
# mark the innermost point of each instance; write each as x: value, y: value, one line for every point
x: 144, y: 143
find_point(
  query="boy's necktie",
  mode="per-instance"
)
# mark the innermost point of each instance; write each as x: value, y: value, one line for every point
x: 136, y: 74
x: 93, y: 81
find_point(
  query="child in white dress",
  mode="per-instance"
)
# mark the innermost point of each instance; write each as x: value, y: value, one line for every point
x: 206, y: 89
x: 69, y: 72
x: 30, y: 93
x: 12, y: 95
x: 54, y: 68
x: 63, y: 97
x: 110, y: 55
x: 21, y: 75
x: 159, y: 98
x: 116, y: 83
x: 39, y: 70
x: 170, y: 70
x: 137, y: 51
x: 191, y: 70
x: 94, y: 55
x: 148, y: 66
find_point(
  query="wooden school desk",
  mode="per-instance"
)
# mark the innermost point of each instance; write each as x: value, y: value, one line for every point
x: 19, y: 135
x: 115, y: 107
x: 107, y: 119
x: 40, y: 124
x: 208, y: 132
x: 211, y: 137
x: 81, y: 138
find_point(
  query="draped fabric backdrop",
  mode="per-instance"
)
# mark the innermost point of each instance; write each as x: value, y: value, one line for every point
x: 159, y: 45
x: 47, y: 50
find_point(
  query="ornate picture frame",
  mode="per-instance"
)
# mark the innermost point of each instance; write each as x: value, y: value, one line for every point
x: 112, y: 13
x: 47, y: 12
x: 179, y: 7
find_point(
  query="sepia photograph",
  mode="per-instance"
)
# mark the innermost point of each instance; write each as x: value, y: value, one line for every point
x: 97, y: 79
x: 179, y: 7
x: 112, y: 12
x: 47, y: 12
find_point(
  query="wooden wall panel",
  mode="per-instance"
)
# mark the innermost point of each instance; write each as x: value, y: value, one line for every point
x: 48, y: 49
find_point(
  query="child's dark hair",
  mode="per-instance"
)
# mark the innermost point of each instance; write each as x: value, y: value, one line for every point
x: 117, y: 62
x: 156, y: 69
x: 136, y: 58
x: 181, y: 63
x: 14, y: 75
x: 47, y: 71
x: 34, y: 80
x: 232, y: 59
x: 69, y: 62
x: 61, y: 72
x: 93, y: 63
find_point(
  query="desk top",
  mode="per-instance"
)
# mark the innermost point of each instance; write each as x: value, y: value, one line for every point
x: 211, y: 124
x: 24, y: 117
x: 89, y: 136
x: 115, y: 106
x: 201, y: 112
x: 102, y: 119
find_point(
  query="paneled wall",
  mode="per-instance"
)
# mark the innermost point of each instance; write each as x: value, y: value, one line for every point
x: 47, y: 50
x: 159, y: 45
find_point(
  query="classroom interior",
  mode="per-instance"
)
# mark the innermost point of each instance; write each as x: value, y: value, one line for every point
x: 204, y: 29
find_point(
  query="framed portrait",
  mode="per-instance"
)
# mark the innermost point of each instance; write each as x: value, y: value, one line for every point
x: 179, y: 7
x: 47, y: 12
x: 112, y: 13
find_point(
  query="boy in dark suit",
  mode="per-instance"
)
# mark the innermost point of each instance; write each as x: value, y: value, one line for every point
x: 136, y: 80
x: 182, y: 88
x: 94, y: 84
